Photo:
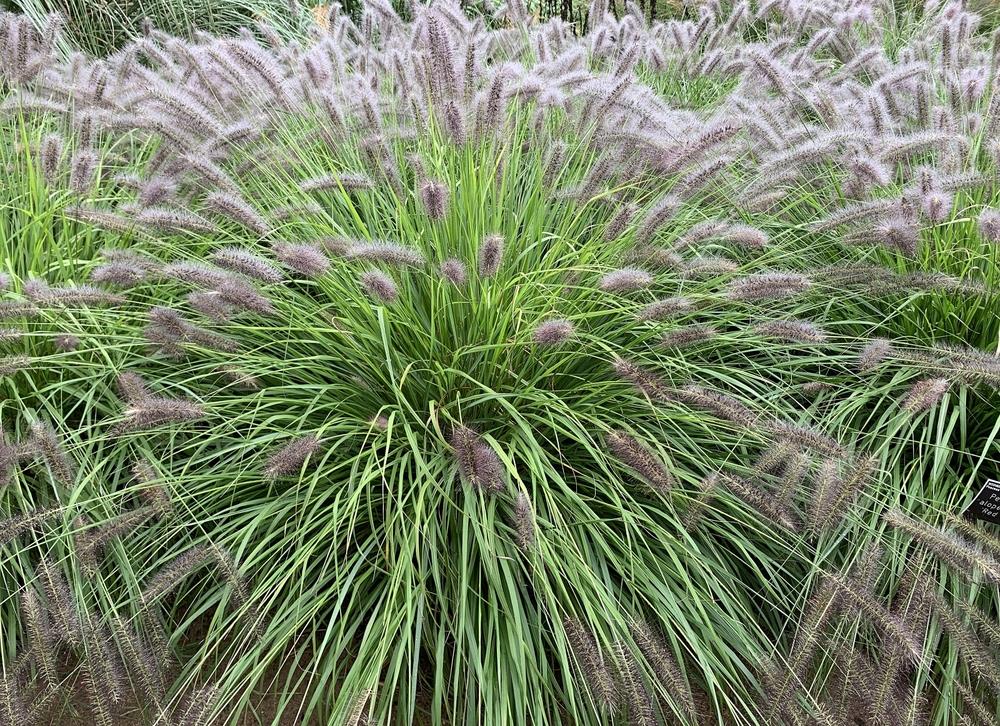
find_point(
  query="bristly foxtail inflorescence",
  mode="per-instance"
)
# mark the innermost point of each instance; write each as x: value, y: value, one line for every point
x: 697, y: 218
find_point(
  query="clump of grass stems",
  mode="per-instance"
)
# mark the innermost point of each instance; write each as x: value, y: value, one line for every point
x: 432, y: 330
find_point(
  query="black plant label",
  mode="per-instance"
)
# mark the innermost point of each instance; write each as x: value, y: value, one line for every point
x: 986, y: 504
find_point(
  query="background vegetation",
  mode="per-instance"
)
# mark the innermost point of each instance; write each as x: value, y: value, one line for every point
x: 432, y: 366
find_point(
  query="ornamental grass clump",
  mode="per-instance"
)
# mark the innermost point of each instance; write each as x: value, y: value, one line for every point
x: 455, y: 371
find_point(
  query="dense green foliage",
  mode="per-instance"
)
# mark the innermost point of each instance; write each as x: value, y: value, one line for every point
x: 428, y: 372
x: 105, y: 27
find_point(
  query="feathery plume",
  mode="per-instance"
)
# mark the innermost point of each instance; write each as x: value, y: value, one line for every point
x: 41, y: 638
x: 237, y: 259
x: 478, y: 464
x: 65, y: 343
x: 874, y: 354
x: 168, y: 329
x: 866, y: 605
x: 664, y: 665
x: 620, y: 222
x: 91, y: 541
x: 131, y: 387
x: 946, y: 546
x: 989, y: 225
x: 768, y: 286
x: 17, y: 309
x: 141, y: 661
x: 687, y: 336
x: 986, y: 541
x: 170, y: 575
x: 744, y: 235
x: 434, y: 197
x: 936, y: 206
x: 40, y: 292
x: 347, y: 182
x: 197, y: 274
x: 239, y: 592
x: 925, y: 394
x: 666, y: 308
x: 596, y: 674
x: 61, y: 603
x: 12, y: 707
x: 390, y: 253
x: 83, y: 171
x: 305, y: 259
x: 641, y: 460
x: 716, y: 403
x: 776, y: 458
x: 10, y: 455
x: 20, y: 523
x: 102, y: 674
x: 239, y: 295
x: 975, y: 654
x: 555, y: 162
x: 627, y: 279
x: 289, y: 458
x: 51, y: 156
x: 379, y: 286
x: 635, y: 695
x: 173, y: 220
x: 10, y: 335
x: 490, y: 255
x: 820, y: 609
x: 834, y: 491
x: 797, y: 331
x: 658, y: 215
x: 976, y: 713
x: 241, y: 379
x: 9, y: 365
x: 524, y: 522
x: 153, y: 411
x: 762, y: 502
x: 211, y: 305
x: 982, y: 622
x: 118, y: 274
x: 796, y: 469
x: 454, y: 271
x: 806, y: 437
x: 357, y: 717
x: 644, y: 381
x: 154, y: 494
x: 200, y: 706
x: 898, y: 232
x: 45, y: 441
x: 233, y: 207
x: 552, y: 332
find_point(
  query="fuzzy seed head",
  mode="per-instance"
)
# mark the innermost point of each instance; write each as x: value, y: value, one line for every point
x: 490, y: 255
x: 389, y: 253
x: 552, y: 332
x: 625, y: 280
x: 379, y: 286
x: 478, y: 464
x: 237, y: 259
x: 305, y: 259
x: 989, y: 225
x: 434, y: 197
x: 925, y: 394
x: 640, y: 459
x: 454, y: 271
x: 874, y: 354
x: 288, y: 460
